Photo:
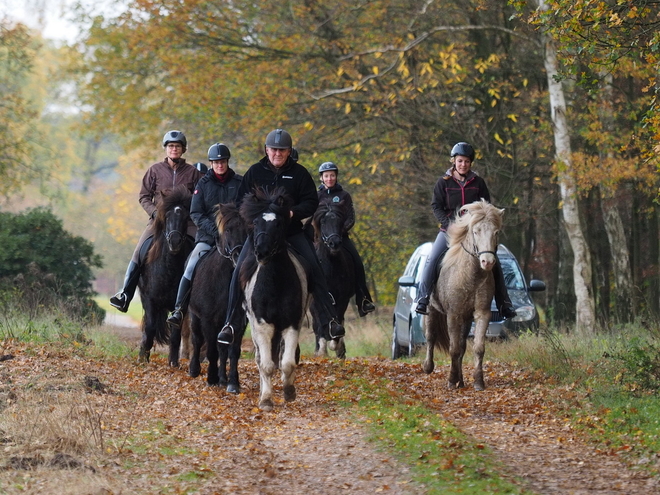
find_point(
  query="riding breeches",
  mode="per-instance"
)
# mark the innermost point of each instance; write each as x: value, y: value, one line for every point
x: 432, y: 266
x: 201, y: 248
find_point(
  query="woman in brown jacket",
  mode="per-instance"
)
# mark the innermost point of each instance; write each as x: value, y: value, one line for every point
x: 166, y: 175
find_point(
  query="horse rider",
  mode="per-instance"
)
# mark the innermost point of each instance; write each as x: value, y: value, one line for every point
x: 219, y: 186
x: 173, y: 171
x: 459, y: 186
x: 331, y: 192
x: 277, y: 169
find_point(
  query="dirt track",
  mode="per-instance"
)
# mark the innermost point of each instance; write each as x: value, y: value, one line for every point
x: 164, y: 431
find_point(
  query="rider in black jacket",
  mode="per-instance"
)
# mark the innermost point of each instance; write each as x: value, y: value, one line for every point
x: 277, y: 169
x: 458, y: 187
x: 220, y: 185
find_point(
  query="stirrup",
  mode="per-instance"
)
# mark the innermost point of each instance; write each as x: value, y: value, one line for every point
x: 367, y: 306
x: 335, y: 330
x: 175, y: 319
x: 422, y: 307
x: 226, y: 335
x: 119, y: 301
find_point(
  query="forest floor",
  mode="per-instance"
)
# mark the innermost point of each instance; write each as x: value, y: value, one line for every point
x: 76, y: 424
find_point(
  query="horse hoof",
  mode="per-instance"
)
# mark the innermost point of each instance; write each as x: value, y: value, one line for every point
x: 428, y: 367
x: 174, y: 364
x: 289, y: 393
x: 266, y: 405
x: 233, y: 389
x: 143, y: 357
x: 194, y: 371
x: 479, y: 387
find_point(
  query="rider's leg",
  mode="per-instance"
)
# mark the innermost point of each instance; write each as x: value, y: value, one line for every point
x: 502, y: 300
x: 185, y: 285
x: 327, y: 314
x: 226, y: 335
x: 362, y: 297
x: 123, y: 298
x: 430, y: 273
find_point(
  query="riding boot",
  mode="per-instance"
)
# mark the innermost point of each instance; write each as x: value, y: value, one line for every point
x: 226, y: 335
x: 123, y: 298
x: 181, y: 304
x: 362, y: 297
x: 502, y: 300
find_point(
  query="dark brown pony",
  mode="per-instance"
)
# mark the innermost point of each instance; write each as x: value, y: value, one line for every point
x: 328, y: 222
x: 164, y: 267
x: 208, y: 301
x: 464, y: 291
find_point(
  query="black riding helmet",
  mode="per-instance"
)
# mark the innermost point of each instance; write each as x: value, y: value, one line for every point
x: 219, y: 151
x: 201, y: 167
x: 463, y: 149
x: 175, y: 137
x: 328, y: 167
x: 279, y: 139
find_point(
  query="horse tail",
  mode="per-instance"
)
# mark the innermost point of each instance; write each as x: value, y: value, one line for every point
x: 437, y: 321
x: 162, y: 334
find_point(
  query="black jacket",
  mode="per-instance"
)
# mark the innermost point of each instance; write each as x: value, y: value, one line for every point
x: 335, y: 195
x: 449, y: 195
x: 210, y: 192
x: 296, y: 181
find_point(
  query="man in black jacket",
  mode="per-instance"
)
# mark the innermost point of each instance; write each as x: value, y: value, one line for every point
x: 277, y: 169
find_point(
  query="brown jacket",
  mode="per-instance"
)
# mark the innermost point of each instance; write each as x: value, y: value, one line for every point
x: 161, y: 177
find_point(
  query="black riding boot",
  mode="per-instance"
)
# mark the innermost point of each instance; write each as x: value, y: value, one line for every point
x: 502, y: 300
x: 226, y: 335
x: 123, y: 298
x: 181, y: 304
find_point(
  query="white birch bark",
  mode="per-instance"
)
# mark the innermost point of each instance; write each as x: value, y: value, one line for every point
x: 585, y: 306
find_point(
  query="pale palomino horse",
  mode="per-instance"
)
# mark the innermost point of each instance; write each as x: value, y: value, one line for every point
x: 464, y: 291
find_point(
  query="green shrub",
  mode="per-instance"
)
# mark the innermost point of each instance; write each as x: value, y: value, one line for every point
x: 43, y: 267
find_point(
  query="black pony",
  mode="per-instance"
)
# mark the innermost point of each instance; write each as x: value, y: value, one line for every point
x: 163, y: 269
x: 209, y: 297
x: 328, y: 222
x: 275, y: 284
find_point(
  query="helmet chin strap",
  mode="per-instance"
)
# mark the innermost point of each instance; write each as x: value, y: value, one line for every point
x: 462, y: 175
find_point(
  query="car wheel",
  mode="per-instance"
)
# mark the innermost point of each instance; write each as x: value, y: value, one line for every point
x: 411, y: 347
x: 397, y: 352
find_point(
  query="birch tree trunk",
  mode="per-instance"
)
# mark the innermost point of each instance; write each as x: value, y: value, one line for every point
x: 585, y: 309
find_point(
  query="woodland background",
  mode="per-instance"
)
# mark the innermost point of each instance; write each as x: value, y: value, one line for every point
x: 382, y: 88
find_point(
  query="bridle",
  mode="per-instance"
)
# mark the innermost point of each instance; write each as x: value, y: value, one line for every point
x: 475, y: 250
x: 227, y: 252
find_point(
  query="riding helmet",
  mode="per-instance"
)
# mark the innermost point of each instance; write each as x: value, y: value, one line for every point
x: 463, y: 149
x: 219, y: 151
x: 175, y: 137
x: 328, y: 167
x: 294, y: 155
x: 201, y: 167
x: 279, y: 139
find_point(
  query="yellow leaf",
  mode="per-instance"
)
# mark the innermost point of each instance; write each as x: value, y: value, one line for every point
x: 498, y: 138
x: 513, y: 117
x: 493, y: 103
x: 309, y: 126
x: 374, y: 69
x: 515, y: 200
x: 347, y: 108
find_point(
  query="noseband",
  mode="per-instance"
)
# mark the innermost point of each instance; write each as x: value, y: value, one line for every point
x: 326, y: 239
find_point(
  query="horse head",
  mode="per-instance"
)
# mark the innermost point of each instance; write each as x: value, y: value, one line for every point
x: 328, y: 222
x: 477, y: 231
x: 232, y: 231
x: 267, y: 214
x: 172, y: 218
